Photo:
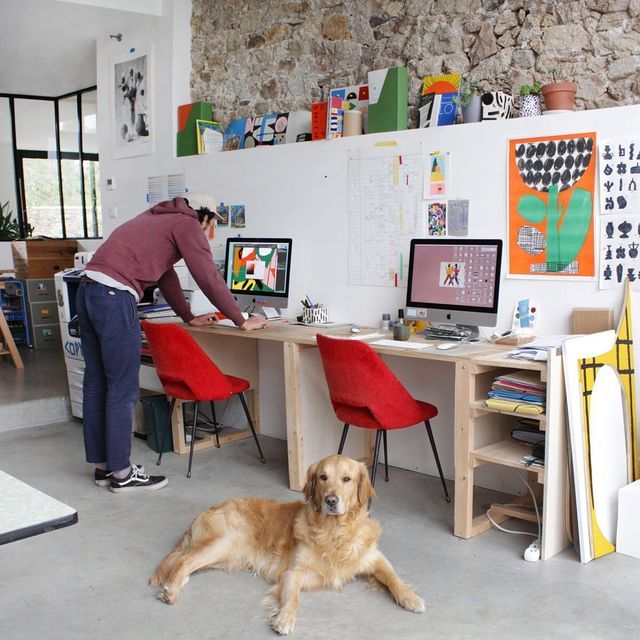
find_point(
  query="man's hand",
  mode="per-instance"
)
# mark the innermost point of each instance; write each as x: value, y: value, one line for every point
x: 204, y: 319
x: 254, y: 322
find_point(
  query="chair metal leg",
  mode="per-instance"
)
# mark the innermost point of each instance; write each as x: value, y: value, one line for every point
x: 374, y: 466
x: 376, y: 454
x: 343, y: 438
x: 435, y: 455
x: 386, y: 461
x: 193, y: 437
x: 216, y: 428
x: 253, y: 431
x: 166, y: 431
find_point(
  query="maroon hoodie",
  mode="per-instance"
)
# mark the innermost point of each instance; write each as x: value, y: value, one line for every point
x: 142, y: 252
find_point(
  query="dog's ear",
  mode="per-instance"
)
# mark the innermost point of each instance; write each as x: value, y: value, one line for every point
x: 365, y: 490
x: 310, y: 485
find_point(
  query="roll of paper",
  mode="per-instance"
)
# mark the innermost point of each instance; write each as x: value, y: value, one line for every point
x: 352, y: 123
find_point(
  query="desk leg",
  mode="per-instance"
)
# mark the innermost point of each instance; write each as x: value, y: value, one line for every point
x: 293, y: 397
x: 464, y: 441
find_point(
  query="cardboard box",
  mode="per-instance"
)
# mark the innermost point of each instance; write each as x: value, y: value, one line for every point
x: 42, y: 258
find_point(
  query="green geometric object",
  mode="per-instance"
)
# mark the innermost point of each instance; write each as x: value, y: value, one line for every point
x: 187, y: 137
x: 388, y: 91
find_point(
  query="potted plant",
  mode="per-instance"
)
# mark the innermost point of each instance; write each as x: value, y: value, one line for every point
x: 530, y: 104
x: 559, y: 96
x: 469, y: 100
x: 8, y: 224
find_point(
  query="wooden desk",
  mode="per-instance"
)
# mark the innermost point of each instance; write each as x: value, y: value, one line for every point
x: 476, y: 365
x: 25, y: 511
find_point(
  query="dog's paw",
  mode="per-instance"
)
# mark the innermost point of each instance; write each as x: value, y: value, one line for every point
x: 284, y: 623
x: 411, y: 601
x: 168, y: 596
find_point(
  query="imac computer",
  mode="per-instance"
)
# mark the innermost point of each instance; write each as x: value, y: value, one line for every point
x: 453, y: 284
x: 257, y: 273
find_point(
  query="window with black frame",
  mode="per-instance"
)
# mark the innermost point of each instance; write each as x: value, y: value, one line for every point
x: 56, y: 165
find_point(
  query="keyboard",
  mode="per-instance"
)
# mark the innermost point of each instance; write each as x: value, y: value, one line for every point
x: 399, y: 344
x: 447, y: 332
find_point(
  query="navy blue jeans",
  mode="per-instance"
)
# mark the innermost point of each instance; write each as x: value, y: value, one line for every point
x: 110, y: 335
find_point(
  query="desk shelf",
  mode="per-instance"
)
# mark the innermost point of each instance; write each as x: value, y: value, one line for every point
x: 479, y: 408
x: 508, y: 453
x: 483, y: 437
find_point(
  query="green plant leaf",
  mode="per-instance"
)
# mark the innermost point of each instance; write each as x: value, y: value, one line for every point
x: 532, y: 208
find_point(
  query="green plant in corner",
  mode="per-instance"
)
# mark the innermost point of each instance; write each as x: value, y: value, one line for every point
x: 468, y: 89
x: 8, y: 224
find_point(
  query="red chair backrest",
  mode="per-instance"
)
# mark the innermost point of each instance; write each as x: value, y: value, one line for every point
x: 180, y: 360
x: 356, y: 376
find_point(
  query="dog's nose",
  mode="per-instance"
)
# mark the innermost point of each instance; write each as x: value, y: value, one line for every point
x: 331, y: 501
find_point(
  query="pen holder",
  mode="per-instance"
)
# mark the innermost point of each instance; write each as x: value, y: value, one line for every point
x: 315, y: 315
x: 401, y: 332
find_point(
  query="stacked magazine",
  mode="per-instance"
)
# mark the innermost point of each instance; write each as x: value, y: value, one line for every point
x: 519, y: 391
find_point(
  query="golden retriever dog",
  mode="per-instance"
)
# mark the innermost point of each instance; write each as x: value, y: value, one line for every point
x: 322, y: 542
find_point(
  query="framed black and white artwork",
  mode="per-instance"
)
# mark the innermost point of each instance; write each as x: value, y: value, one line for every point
x: 131, y: 116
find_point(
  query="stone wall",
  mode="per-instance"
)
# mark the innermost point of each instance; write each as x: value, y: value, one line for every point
x: 255, y: 56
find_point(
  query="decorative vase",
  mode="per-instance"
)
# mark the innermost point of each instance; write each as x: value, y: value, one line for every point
x: 496, y: 105
x: 530, y: 106
x: 141, y: 125
x: 473, y: 111
x: 559, y: 96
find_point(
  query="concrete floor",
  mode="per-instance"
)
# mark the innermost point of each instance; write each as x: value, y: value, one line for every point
x: 89, y: 580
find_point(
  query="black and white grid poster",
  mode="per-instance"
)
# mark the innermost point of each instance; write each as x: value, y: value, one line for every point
x: 620, y: 176
x: 619, y: 251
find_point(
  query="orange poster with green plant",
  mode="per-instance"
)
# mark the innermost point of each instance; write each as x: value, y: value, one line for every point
x: 550, y: 217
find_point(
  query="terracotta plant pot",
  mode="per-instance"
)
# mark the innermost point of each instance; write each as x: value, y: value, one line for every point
x: 559, y: 96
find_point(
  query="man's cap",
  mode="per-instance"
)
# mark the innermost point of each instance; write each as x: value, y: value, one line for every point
x: 198, y: 200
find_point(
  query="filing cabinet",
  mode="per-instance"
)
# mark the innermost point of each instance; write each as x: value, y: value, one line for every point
x: 43, y: 312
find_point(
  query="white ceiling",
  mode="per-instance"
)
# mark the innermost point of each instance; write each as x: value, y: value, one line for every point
x: 48, y: 48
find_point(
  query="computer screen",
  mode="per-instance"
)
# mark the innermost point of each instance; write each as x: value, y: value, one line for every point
x: 454, y: 281
x: 257, y: 272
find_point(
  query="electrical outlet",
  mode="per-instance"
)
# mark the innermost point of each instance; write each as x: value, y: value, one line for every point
x: 113, y: 213
x: 111, y: 184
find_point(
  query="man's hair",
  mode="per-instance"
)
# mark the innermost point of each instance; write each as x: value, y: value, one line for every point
x: 205, y: 214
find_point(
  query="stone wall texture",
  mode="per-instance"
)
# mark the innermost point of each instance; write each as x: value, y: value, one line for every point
x: 252, y: 57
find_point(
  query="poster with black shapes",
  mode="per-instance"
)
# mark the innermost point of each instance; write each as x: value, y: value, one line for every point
x: 619, y: 251
x: 620, y: 176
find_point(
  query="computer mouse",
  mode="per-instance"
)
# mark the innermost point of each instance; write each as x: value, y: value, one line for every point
x: 532, y: 552
x: 445, y: 346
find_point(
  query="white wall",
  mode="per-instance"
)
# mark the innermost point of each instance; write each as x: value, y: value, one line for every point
x: 299, y: 191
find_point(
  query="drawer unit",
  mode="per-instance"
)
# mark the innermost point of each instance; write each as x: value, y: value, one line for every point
x: 43, y: 290
x: 44, y: 312
x: 46, y: 336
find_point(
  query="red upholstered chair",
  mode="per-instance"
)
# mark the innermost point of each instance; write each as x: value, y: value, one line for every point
x: 365, y: 393
x: 187, y: 373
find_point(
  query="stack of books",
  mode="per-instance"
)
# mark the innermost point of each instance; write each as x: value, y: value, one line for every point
x: 519, y: 391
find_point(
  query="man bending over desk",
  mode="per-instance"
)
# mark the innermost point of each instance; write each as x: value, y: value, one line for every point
x: 137, y: 255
